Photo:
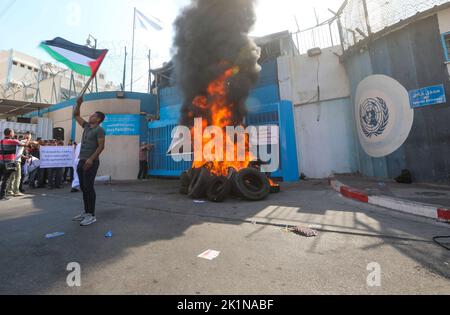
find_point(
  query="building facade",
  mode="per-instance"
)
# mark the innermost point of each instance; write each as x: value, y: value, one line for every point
x: 125, y: 125
x: 414, y: 52
x: 25, y: 78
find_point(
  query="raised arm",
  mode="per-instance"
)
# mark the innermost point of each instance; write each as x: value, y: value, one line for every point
x: 27, y: 142
x: 77, y: 112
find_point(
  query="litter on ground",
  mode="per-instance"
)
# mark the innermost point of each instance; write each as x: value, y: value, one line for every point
x: 53, y: 235
x: 209, y: 254
x: 303, y: 231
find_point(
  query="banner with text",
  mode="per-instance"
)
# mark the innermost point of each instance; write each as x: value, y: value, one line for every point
x: 56, y: 157
x: 122, y: 125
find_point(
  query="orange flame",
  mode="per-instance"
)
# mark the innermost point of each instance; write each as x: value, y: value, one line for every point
x: 220, y: 116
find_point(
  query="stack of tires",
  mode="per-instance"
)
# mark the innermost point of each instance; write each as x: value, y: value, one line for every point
x: 249, y: 184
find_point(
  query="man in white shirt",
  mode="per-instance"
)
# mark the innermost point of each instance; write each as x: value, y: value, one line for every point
x: 31, y: 170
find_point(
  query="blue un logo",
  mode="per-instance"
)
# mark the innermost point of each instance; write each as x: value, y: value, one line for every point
x: 374, y: 114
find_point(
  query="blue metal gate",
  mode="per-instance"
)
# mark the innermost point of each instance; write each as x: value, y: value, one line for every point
x: 264, y: 108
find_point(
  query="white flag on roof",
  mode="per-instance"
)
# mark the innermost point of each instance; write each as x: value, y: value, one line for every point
x: 144, y: 21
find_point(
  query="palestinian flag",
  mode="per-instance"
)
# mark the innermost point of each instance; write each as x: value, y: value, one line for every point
x: 81, y: 59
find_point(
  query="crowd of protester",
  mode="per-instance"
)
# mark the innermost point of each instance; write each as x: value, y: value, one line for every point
x: 52, y: 178
x: 20, y: 166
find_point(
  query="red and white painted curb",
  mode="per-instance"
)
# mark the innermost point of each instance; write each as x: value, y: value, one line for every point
x: 415, y: 208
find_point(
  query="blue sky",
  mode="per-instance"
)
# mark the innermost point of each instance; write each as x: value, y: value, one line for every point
x: 27, y: 22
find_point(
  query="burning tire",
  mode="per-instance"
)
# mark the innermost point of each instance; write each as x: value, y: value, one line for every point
x: 252, y: 184
x: 185, y: 182
x: 193, y: 172
x: 219, y: 189
x: 199, y: 183
x: 234, y: 188
x: 275, y: 189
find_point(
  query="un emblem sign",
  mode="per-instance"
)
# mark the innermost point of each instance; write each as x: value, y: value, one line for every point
x: 374, y: 114
x: 383, y: 115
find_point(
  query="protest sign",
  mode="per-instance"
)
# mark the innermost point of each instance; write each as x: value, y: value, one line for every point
x: 56, y: 157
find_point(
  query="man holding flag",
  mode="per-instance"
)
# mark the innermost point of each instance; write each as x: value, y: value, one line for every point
x: 85, y: 61
x: 92, y: 145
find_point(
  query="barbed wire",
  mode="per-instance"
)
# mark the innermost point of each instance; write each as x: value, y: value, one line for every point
x: 380, y: 15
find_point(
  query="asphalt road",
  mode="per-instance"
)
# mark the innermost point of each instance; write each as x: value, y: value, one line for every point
x: 158, y: 234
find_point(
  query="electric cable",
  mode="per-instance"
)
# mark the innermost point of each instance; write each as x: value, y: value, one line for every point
x: 8, y: 6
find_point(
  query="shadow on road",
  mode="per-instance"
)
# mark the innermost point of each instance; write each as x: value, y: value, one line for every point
x: 153, y: 211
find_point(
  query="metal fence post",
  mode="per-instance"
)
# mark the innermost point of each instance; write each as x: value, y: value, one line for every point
x: 366, y: 15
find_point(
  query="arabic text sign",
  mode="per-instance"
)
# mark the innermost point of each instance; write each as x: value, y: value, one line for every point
x: 427, y: 96
x: 122, y: 125
x: 56, y: 157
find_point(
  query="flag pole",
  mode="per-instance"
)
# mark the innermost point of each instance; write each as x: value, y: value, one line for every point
x: 86, y: 86
x: 124, y: 70
x: 132, y: 50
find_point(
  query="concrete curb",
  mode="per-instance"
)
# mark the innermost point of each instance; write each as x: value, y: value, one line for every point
x: 406, y: 206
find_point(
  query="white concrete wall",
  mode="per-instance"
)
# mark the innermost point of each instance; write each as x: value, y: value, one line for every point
x: 325, y: 137
x: 304, y: 74
x: 444, y: 25
x: 120, y: 160
x: 63, y: 119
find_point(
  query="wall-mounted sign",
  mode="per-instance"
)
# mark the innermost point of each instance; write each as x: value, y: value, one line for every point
x: 432, y: 95
x: 122, y: 125
x: 383, y: 116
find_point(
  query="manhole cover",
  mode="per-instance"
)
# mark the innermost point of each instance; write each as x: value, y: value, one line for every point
x: 431, y: 194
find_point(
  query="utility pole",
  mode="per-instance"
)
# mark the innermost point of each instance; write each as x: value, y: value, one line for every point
x: 132, y: 50
x: 317, y: 17
x: 89, y: 44
x: 38, y: 91
x: 72, y: 82
x: 149, y: 71
x: 124, y: 70
x: 297, y: 34
x: 366, y: 14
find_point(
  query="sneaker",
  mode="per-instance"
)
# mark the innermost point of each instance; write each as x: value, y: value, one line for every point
x: 74, y: 190
x: 79, y: 218
x: 19, y: 194
x: 88, y: 220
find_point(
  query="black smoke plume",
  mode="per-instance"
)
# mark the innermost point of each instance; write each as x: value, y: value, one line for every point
x: 212, y: 36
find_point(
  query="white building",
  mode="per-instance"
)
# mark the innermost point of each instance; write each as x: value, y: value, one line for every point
x: 22, y: 76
